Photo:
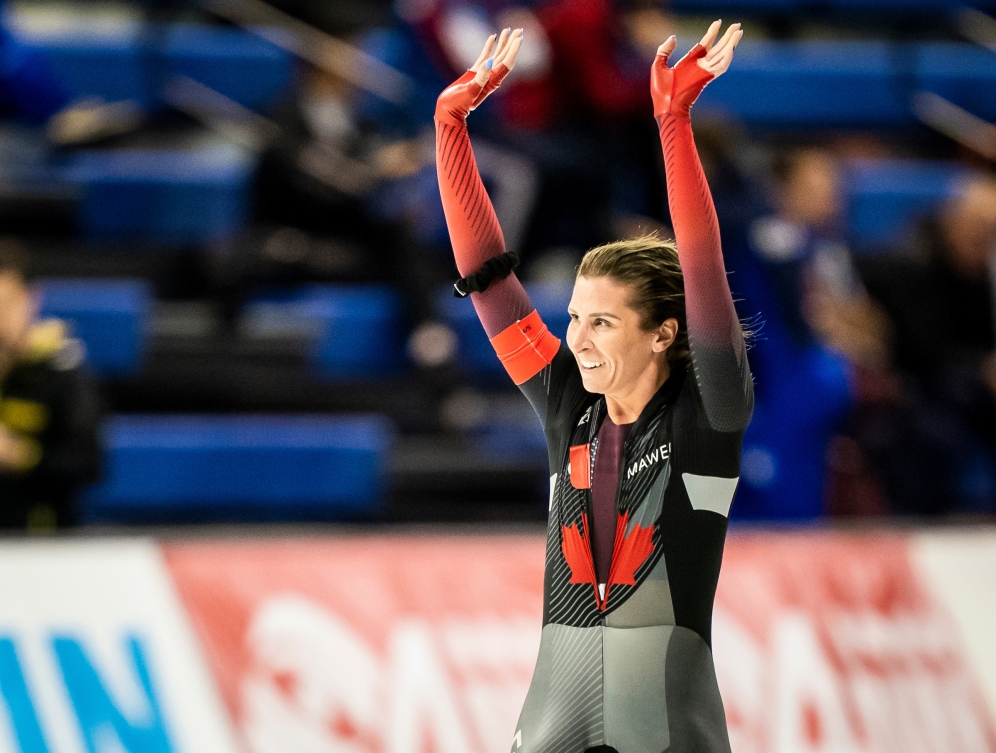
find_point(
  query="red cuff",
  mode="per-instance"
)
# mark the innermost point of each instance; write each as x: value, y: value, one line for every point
x: 525, y: 348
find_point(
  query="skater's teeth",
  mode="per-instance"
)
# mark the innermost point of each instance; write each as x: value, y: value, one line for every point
x: 592, y: 364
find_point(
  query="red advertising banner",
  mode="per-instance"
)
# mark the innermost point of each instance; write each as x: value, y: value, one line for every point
x: 404, y: 644
x: 831, y: 643
x: 398, y: 644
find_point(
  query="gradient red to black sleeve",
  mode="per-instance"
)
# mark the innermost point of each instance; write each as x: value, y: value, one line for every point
x: 714, y: 332
x: 474, y: 230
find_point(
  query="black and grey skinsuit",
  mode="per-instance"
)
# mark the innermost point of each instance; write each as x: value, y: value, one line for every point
x: 633, y: 670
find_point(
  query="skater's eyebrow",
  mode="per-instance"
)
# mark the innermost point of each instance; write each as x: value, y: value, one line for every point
x: 570, y: 310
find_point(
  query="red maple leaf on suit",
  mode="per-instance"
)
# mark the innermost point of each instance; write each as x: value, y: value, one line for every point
x: 629, y: 552
x: 574, y: 545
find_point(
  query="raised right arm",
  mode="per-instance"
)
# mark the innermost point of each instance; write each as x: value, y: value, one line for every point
x: 714, y: 334
x: 523, y: 343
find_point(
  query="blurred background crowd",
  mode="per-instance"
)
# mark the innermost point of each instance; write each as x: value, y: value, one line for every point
x: 225, y: 279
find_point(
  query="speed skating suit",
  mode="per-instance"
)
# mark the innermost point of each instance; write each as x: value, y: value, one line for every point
x: 629, y: 667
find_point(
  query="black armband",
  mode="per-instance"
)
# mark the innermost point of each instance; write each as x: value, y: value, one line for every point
x: 496, y: 268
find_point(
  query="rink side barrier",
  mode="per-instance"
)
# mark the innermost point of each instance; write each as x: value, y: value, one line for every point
x: 388, y: 643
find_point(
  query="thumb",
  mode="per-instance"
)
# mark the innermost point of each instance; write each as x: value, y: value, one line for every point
x: 667, y: 48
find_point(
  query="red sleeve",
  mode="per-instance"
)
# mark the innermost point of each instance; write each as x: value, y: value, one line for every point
x: 474, y: 230
x: 714, y: 333
x: 523, y: 343
x: 708, y: 301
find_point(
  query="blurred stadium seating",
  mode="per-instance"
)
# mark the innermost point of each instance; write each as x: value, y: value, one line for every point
x: 133, y: 63
x: 355, y: 330
x: 833, y: 84
x: 161, y: 197
x: 886, y: 196
x: 253, y: 253
x: 111, y: 317
x: 158, y: 244
x: 272, y: 468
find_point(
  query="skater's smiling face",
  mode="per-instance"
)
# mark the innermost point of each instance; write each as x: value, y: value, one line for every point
x: 616, y: 354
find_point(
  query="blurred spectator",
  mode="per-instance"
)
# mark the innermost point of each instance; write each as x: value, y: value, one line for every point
x: 797, y: 274
x: 579, y: 109
x: 803, y: 251
x: 590, y: 69
x: 938, y: 446
x: 739, y: 195
x: 48, y: 408
x: 591, y: 139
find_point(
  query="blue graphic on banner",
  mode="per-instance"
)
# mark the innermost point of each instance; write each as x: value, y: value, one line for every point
x: 99, y: 718
x: 15, y: 692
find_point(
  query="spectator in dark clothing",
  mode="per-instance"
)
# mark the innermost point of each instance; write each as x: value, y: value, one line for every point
x: 588, y: 132
x: 48, y: 409
x: 587, y: 97
x: 938, y: 449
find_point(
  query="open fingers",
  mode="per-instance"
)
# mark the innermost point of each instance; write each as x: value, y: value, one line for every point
x: 722, y: 60
x: 501, y: 45
x: 485, y: 63
x: 507, y: 56
x: 728, y: 40
x: 485, y: 53
x: 711, y: 33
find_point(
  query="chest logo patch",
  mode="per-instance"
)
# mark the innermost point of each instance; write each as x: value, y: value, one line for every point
x: 580, y: 466
x: 658, y: 453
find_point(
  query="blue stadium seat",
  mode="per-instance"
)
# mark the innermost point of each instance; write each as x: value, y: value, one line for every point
x: 243, y: 67
x: 168, y: 197
x: 811, y: 84
x: 821, y: 84
x: 356, y: 328
x: 276, y: 468
x: 110, y: 317
x: 506, y: 437
x: 886, y: 196
x: 133, y: 63
x: 475, y: 353
x: 961, y: 73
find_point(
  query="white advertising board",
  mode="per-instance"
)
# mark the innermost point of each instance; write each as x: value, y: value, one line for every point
x: 96, y: 655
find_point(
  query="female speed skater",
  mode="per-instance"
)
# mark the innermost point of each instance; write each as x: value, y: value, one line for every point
x: 644, y: 412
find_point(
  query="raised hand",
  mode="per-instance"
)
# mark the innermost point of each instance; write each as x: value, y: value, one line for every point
x: 497, y: 58
x: 675, y: 89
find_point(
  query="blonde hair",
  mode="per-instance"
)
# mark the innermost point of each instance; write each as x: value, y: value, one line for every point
x: 649, y: 265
